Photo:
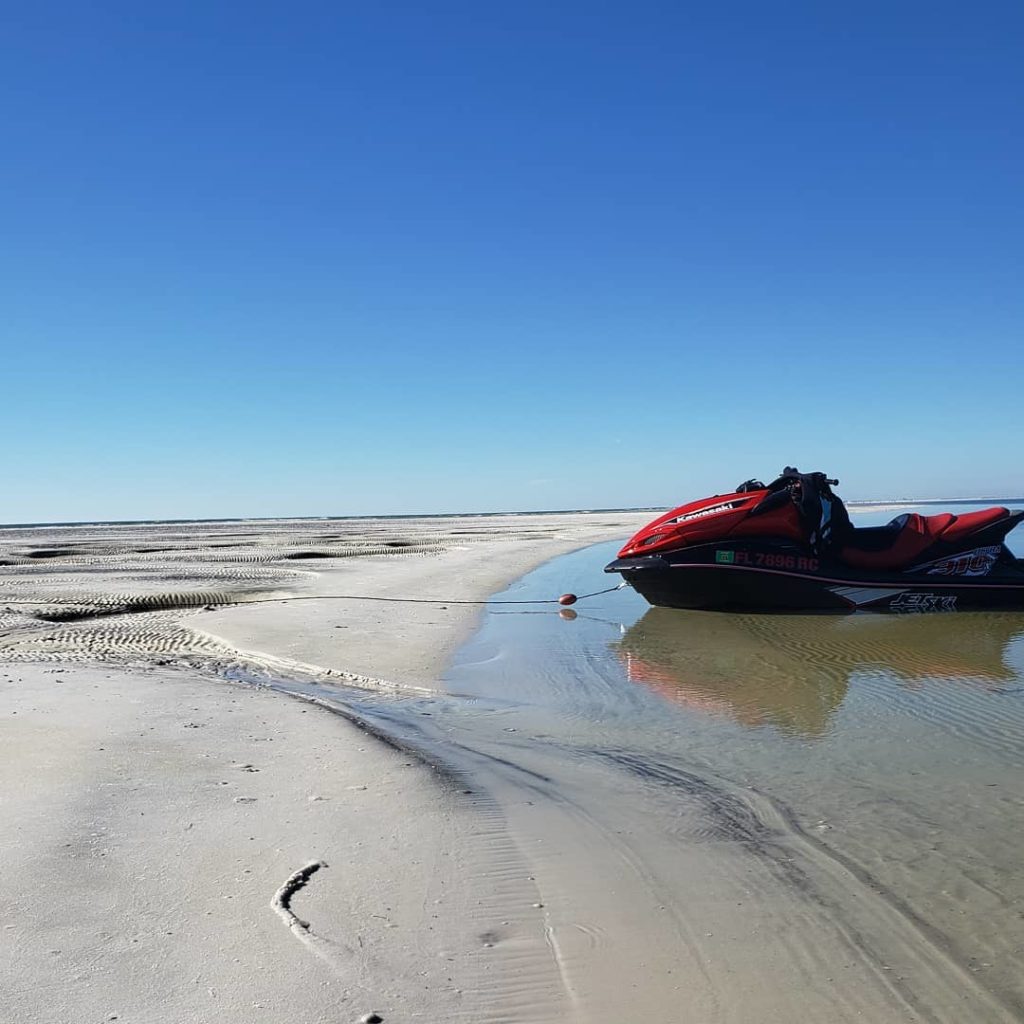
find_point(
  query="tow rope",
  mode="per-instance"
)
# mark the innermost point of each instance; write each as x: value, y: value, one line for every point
x: 565, y: 600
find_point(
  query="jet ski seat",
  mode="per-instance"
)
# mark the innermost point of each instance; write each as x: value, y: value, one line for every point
x: 972, y: 522
x: 897, y: 544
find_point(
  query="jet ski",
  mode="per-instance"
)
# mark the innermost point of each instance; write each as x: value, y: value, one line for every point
x: 790, y: 546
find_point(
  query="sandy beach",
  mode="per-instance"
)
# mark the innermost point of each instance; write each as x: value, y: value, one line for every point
x: 154, y: 811
x: 231, y: 793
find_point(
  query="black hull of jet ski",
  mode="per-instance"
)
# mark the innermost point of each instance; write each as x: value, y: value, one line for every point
x: 779, y: 576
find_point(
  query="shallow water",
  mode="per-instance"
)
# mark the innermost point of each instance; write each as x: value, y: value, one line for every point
x: 884, y: 755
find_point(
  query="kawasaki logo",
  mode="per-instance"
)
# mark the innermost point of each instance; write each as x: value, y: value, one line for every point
x: 713, y: 510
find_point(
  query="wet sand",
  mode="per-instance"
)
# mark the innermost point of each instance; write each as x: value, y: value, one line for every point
x: 712, y: 818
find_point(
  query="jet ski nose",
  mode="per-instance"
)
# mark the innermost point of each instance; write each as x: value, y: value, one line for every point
x: 636, y: 564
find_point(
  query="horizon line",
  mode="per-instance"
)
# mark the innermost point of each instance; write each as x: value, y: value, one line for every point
x: 853, y: 503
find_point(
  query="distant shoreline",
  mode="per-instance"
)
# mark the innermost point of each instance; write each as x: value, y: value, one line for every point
x: 876, y: 503
x: 902, y: 502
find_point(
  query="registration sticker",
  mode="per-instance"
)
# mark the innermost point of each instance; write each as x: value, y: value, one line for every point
x: 728, y: 557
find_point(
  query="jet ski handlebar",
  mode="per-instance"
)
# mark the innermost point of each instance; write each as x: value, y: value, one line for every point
x: 787, y: 478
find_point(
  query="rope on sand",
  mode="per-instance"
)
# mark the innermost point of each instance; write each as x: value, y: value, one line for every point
x: 565, y: 599
x: 222, y: 601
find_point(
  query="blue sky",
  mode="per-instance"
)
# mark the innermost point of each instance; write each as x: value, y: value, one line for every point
x: 332, y: 258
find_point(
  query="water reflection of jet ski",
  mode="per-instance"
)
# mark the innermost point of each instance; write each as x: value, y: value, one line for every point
x: 793, y: 671
x: 789, y: 545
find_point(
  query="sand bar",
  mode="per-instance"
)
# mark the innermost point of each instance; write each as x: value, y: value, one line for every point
x: 153, y: 812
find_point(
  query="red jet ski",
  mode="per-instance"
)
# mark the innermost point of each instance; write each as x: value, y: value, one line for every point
x: 789, y: 546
